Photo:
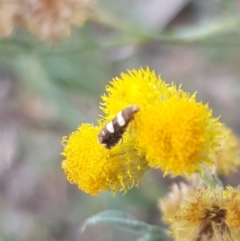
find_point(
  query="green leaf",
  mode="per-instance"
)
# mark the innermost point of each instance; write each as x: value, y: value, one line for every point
x: 126, y: 221
x: 207, y: 30
x: 152, y: 237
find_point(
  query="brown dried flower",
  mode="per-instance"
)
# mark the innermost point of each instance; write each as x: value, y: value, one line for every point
x: 208, y: 215
x: 46, y: 19
x: 8, y: 13
x: 170, y: 204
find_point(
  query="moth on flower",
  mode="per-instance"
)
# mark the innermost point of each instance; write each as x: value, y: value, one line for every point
x: 113, y: 131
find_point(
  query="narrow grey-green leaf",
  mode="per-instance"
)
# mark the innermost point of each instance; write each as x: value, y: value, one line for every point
x: 125, y: 221
x: 210, y: 29
x: 153, y: 237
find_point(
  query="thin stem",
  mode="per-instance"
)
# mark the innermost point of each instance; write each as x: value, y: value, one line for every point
x: 191, y: 35
x: 212, y: 179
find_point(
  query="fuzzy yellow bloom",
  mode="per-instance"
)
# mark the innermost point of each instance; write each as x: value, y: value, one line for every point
x: 227, y: 155
x: 94, y: 168
x: 208, y: 215
x: 141, y: 87
x: 173, y: 131
x: 176, y: 134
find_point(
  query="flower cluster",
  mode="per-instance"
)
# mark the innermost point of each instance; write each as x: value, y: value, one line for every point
x: 46, y: 19
x: 171, y: 131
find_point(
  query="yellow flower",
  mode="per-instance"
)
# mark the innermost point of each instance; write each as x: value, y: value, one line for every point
x: 140, y: 87
x: 173, y: 131
x: 227, y: 156
x: 94, y: 168
x: 208, y: 215
x: 177, y: 134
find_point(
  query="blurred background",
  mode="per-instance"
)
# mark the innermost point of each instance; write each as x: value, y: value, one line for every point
x: 47, y: 89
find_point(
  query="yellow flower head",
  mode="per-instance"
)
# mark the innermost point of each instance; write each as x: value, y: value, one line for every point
x: 94, y: 168
x: 208, y: 215
x: 227, y: 155
x: 141, y: 87
x: 177, y: 134
x: 172, y: 130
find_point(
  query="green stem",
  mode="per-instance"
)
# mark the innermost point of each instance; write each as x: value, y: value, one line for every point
x: 212, y: 179
x: 188, y: 36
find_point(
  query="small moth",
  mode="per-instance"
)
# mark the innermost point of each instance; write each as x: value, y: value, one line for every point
x: 113, y: 131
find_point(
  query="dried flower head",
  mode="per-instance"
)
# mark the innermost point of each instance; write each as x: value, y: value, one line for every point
x: 46, y: 19
x: 173, y: 131
x: 170, y: 204
x: 8, y: 13
x: 227, y: 155
x: 208, y: 215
